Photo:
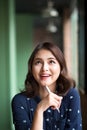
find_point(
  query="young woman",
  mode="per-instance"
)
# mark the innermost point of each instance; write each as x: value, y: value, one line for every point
x: 50, y: 100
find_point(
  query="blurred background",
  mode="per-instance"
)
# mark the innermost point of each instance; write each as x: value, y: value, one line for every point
x: 25, y: 23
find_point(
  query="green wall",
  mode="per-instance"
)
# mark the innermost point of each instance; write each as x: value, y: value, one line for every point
x: 16, y: 43
x: 24, y: 34
x: 4, y: 68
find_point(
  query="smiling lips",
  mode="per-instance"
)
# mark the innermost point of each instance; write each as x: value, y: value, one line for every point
x: 44, y: 76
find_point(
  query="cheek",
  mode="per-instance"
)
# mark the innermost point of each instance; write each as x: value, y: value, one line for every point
x: 35, y: 71
x: 56, y: 70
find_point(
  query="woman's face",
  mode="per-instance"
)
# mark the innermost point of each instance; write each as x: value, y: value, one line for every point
x: 45, y: 68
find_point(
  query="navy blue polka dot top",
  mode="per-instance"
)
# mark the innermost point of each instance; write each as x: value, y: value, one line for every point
x: 69, y: 117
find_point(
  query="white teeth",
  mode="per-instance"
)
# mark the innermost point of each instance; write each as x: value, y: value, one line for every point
x: 44, y: 75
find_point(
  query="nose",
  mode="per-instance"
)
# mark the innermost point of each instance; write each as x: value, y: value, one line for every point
x: 45, y: 67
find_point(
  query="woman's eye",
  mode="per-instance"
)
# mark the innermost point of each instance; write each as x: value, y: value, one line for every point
x: 52, y: 62
x: 37, y: 62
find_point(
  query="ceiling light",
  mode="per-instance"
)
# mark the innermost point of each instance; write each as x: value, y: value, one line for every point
x: 51, y: 27
x: 50, y: 11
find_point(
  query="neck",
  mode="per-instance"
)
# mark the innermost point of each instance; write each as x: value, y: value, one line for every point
x: 43, y: 92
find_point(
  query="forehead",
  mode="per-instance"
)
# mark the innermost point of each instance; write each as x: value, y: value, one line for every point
x: 43, y: 53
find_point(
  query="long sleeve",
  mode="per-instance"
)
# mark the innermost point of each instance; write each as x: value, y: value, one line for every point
x: 74, y: 119
x: 20, y: 113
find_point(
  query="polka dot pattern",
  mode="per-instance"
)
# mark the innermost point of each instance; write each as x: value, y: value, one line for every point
x: 70, y: 113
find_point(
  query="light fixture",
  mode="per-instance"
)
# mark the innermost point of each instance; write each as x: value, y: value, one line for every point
x: 51, y: 27
x: 50, y: 11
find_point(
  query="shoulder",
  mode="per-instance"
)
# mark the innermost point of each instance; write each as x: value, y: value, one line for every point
x: 22, y: 101
x: 73, y: 92
x: 19, y: 98
x: 72, y: 97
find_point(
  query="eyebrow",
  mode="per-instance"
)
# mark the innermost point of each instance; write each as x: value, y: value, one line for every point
x: 50, y: 58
